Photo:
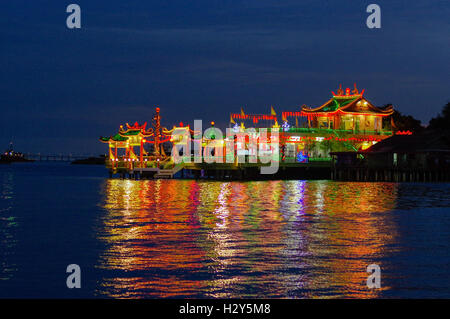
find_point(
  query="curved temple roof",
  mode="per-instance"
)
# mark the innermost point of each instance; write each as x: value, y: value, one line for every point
x: 136, y: 129
x: 115, y: 138
x: 353, y: 104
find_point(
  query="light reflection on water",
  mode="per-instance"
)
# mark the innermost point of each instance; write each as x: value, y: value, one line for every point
x: 8, y: 227
x: 186, y: 238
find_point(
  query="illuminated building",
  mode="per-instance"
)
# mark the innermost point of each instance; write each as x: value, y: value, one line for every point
x: 306, y: 136
x: 346, y: 122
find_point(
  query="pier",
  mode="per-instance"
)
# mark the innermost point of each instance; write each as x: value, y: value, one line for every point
x: 225, y: 171
x: 423, y: 157
x: 300, y: 147
x: 54, y: 157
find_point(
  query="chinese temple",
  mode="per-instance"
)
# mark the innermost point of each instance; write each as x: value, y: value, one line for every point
x: 347, y: 122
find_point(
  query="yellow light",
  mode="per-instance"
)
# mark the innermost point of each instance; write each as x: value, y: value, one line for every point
x: 365, y: 145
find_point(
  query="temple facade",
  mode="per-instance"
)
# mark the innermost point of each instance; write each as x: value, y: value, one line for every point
x: 349, y: 112
x: 347, y: 122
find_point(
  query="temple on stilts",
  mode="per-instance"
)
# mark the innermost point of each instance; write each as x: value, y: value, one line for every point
x: 300, y: 141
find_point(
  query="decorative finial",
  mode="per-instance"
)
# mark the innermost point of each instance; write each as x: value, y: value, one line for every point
x: 355, y: 90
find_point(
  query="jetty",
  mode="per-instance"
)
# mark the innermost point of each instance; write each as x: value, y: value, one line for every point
x: 422, y: 157
x: 297, y: 142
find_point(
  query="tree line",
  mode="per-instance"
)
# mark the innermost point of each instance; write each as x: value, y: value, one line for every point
x: 441, y: 122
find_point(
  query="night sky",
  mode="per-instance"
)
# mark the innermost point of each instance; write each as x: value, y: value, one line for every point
x: 60, y: 89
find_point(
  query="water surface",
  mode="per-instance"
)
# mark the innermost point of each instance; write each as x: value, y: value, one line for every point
x: 214, y: 239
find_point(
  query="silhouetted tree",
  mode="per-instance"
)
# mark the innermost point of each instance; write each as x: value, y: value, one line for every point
x: 442, y: 121
x: 403, y: 122
x: 406, y: 122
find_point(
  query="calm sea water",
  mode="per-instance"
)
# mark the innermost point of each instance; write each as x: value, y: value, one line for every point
x: 213, y: 239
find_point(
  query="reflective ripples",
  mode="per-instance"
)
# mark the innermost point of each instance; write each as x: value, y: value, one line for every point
x: 185, y: 238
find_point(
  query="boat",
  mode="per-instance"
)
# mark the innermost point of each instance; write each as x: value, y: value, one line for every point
x: 10, y: 156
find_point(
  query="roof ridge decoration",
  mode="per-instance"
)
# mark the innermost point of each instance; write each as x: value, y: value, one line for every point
x: 136, y: 126
x: 136, y: 129
x: 354, y: 93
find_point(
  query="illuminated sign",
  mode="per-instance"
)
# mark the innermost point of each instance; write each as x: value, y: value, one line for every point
x: 294, y: 139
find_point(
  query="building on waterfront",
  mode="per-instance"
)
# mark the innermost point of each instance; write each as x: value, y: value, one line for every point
x: 127, y: 139
x: 404, y: 157
x: 346, y: 122
x: 429, y: 150
x: 306, y: 136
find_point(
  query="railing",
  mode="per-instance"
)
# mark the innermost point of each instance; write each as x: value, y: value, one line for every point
x: 348, y: 145
x: 320, y: 159
x: 291, y: 159
x: 334, y: 131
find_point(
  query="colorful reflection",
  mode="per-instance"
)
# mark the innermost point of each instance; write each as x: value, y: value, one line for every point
x: 187, y: 238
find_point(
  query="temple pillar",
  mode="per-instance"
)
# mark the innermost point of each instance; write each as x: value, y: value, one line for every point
x: 115, y: 153
x: 141, y: 153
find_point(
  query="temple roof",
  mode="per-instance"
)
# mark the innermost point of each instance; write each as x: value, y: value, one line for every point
x: 136, y: 126
x: 115, y: 138
x: 178, y: 129
x: 135, y: 130
x: 348, y: 102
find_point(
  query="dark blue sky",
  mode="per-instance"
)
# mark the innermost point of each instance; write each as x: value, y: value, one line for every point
x: 61, y: 89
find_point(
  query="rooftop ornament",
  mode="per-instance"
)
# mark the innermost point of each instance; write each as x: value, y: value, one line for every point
x: 347, y: 94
